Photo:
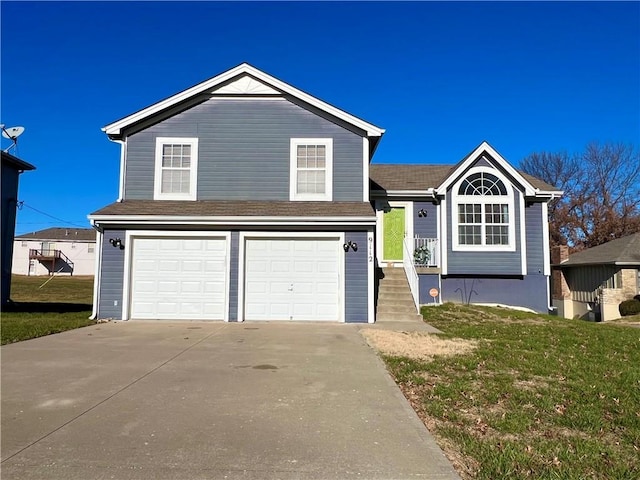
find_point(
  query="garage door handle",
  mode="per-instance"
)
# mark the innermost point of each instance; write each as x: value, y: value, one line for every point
x: 291, y: 288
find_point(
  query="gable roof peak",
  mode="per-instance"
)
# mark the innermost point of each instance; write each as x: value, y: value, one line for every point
x: 271, y: 84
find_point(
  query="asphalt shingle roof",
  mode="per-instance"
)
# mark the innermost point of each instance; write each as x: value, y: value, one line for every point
x: 420, y: 177
x: 625, y: 250
x: 228, y: 208
x: 61, y: 233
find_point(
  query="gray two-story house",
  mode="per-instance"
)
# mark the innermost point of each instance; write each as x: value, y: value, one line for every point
x: 244, y: 198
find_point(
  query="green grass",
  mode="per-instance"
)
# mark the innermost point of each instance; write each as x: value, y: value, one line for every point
x: 541, y: 397
x: 39, y: 309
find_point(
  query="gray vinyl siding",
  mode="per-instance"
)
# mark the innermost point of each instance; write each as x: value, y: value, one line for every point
x: 425, y: 227
x: 111, y: 277
x: 356, y: 279
x: 483, y: 263
x: 244, y: 150
x: 233, y: 277
x: 535, y: 240
x: 529, y: 291
x: 425, y: 283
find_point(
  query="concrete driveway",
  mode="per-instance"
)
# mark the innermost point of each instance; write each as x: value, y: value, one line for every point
x: 153, y: 400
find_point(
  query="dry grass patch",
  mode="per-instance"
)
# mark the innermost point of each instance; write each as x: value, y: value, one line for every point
x: 415, y: 345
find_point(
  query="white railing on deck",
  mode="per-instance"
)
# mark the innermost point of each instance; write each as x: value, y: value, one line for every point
x: 410, y: 270
x: 425, y: 252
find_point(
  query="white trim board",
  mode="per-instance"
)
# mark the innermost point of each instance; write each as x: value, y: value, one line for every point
x: 204, y: 220
x: 529, y: 189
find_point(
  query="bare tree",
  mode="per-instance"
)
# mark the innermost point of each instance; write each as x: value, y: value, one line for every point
x: 602, y: 193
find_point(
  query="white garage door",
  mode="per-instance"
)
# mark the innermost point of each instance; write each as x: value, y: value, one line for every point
x: 179, y: 278
x: 292, y: 279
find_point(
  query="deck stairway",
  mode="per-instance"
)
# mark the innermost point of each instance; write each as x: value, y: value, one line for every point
x: 54, y: 260
x: 395, y: 303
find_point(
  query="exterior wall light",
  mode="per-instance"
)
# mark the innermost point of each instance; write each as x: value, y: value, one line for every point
x: 422, y: 212
x: 116, y: 243
x: 350, y: 244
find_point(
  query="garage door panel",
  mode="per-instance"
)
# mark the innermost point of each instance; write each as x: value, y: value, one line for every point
x: 304, y: 266
x: 214, y: 266
x: 179, y: 278
x: 214, y: 287
x: 280, y: 266
x: 164, y: 286
x: 292, y: 278
x: 166, y: 265
x: 168, y: 245
x: 279, y: 288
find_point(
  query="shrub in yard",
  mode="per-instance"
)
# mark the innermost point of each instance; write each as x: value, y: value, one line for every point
x: 629, y: 307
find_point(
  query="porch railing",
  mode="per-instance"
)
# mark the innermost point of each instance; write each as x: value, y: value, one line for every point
x: 424, y: 252
x: 410, y: 270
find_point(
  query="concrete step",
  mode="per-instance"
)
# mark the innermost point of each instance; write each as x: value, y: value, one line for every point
x: 394, y: 298
x: 394, y: 273
x: 394, y: 288
x: 393, y: 280
x: 398, y: 317
x: 397, y: 309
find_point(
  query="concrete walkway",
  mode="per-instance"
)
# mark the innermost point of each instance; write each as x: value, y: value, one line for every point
x: 154, y: 400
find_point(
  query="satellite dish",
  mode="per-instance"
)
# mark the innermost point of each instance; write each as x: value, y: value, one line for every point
x: 12, y: 132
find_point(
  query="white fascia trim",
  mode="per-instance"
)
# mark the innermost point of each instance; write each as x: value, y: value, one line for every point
x: 293, y: 235
x: 523, y: 235
x: 471, y: 158
x: 546, y: 255
x: 115, y: 128
x: 429, y: 192
x: 439, y: 229
x: 128, y: 254
x: 98, y: 275
x: 549, y: 193
x: 193, y: 169
x: 371, y: 306
x: 365, y: 169
x: 379, y: 233
x: 121, y: 186
x: 443, y: 237
x: 294, y: 196
x: 173, y: 220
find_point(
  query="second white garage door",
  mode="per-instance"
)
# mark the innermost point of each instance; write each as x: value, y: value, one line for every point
x: 179, y: 278
x: 292, y: 279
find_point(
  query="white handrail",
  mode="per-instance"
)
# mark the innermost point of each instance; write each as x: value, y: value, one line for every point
x: 410, y: 271
x: 425, y: 252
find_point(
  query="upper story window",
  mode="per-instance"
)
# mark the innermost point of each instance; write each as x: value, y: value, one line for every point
x: 311, y: 169
x: 176, y: 169
x: 483, y: 213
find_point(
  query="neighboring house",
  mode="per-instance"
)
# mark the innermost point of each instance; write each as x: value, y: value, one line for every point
x: 12, y: 167
x: 244, y: 198
x: 593, y: 282
x: 59, y: 251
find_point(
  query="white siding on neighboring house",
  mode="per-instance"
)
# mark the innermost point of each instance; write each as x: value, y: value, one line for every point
x: 81, y: 253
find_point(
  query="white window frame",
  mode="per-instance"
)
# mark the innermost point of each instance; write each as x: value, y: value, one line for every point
x: 483, y: 200
x: 293, y: 170
x: 193, y: 177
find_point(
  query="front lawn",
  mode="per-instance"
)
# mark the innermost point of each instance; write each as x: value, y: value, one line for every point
x: 38, y: 309
x: 538, y: 397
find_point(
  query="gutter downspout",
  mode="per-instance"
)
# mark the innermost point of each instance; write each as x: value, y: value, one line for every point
x: 98, y: 264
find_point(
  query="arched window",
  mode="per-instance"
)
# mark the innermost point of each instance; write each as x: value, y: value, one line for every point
x: 483, y: 211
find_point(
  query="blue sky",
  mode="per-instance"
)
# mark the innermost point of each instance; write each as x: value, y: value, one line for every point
x: 439, y: 77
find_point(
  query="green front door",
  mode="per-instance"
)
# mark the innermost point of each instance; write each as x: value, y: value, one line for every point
x: 393, y: 234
